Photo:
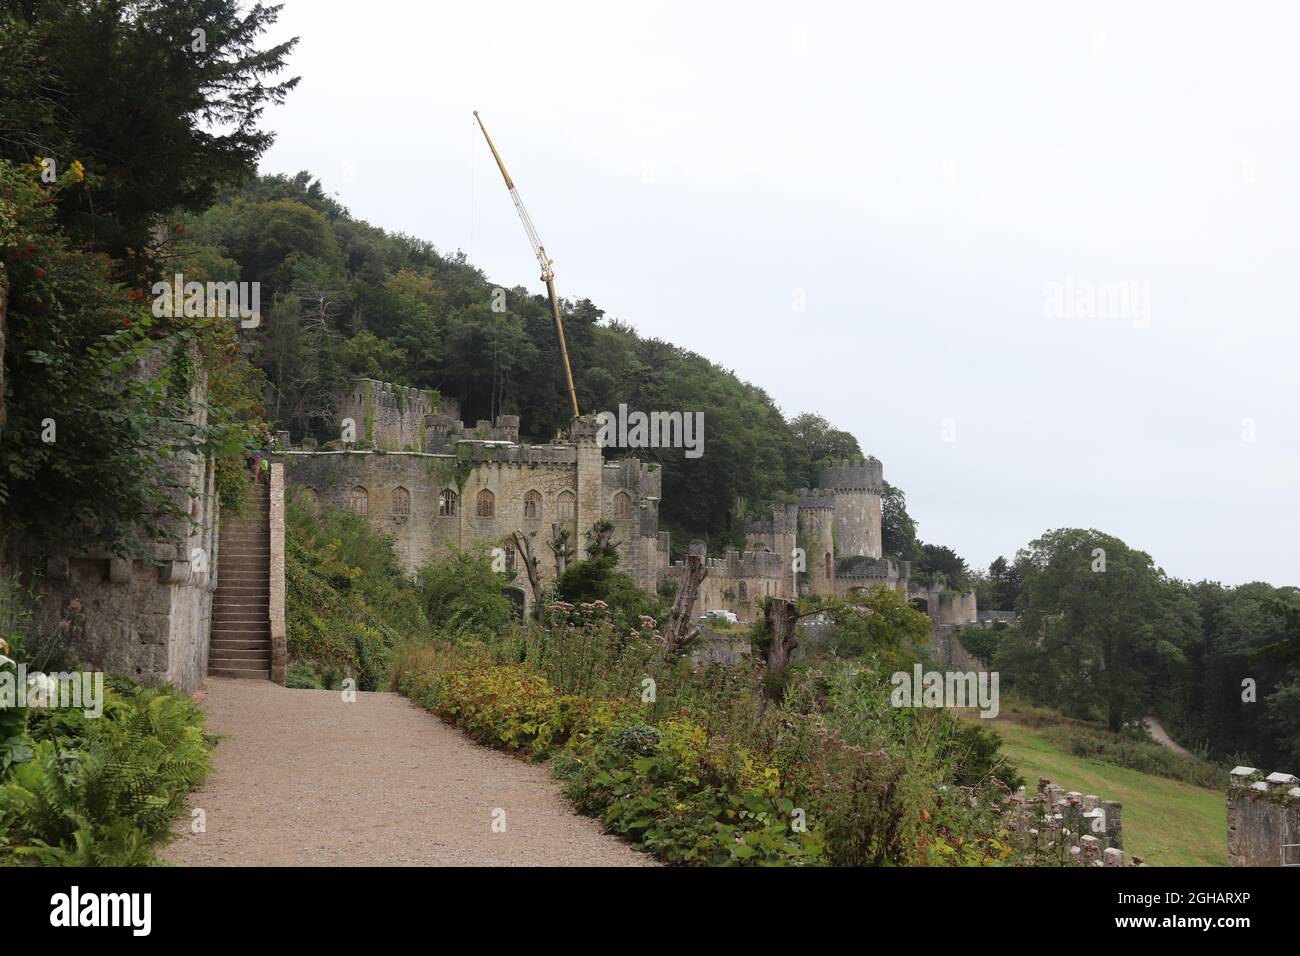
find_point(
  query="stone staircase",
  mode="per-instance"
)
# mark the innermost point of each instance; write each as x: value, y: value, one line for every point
x: 241, y: 619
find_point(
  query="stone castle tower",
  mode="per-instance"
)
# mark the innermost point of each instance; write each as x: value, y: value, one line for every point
x: 857, y: 488
x: 828, y: 543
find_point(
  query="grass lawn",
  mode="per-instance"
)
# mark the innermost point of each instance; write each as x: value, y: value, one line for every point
x: 1166, y: 822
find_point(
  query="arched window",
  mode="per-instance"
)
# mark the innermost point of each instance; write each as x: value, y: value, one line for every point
x: 401, y: 502
x: 744, y: 591
x: 622, y: 505
x: 446, y: 503
x: 830, y: 567
x: 485, y: 506
x: 533, y: 505
x: 359, y: 500
x: 566, y: 506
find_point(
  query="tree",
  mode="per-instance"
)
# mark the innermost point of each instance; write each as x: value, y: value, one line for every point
x: 820, y: 443
x: 524, y: 547
x: 462, y: 594
x: 101, y: 396
x: 159, y: 113
x: 1107, y: 623
x: 879, y: 622
x: 941, y: 566
x: 897, y: 529
x: 1004, y: 585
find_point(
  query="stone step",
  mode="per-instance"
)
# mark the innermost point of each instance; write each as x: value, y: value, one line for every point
x: 255, y: 672
x: 241, y: 590
x: 239, y: 644
x: 242, y: 575
x: 225, y: 603
x: 246, y: 631
x: 226, y: 622
x: 232, y: 654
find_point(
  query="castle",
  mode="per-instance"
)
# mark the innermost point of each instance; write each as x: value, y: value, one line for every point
x: 424, y: 479
x: 408, y: 462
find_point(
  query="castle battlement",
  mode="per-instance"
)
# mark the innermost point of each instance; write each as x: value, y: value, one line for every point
x: 742, y: 564
x: 863, y: 477
x: 813, y: 498
x: 872, y: 569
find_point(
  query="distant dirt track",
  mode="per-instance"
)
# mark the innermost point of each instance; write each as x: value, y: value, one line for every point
x: 302, y: 778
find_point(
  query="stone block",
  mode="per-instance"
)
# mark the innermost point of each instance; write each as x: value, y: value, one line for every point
x: 119, y: 570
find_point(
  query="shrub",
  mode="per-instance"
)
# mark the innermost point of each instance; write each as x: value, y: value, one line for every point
x: 102, y: 792
x: 462, y: 595
x: 349, y: 602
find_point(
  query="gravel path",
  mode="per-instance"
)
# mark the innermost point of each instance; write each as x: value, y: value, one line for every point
x: 302, y: 778
x: 1161, y: 736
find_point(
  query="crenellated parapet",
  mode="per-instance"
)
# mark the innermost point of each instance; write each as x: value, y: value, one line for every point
x: 864, y: 476
x: 811, y: 499
x: 872, y: 569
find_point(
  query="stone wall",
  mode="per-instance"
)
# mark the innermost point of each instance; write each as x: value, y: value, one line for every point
x: 388, y: 416
x: 1090, y: 828
x: 945, y: 607
x: 146, y: 615
x: 430, y: 503
x: 1263, y: 818
x: 278, y: 594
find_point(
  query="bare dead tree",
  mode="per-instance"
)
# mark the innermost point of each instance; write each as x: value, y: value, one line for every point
x: 559, y: 545
x: 780, y: 619
x: 524, y: 545
x: 681, y: 629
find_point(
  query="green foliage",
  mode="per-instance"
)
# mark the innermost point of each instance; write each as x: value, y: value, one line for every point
x: 462, y: 594
x: 699, y: 770
x: 102, y: 791
x: 597, y: 579
x: 1097, y: 642
x: 348, y: 600
x: 72, y: 73
x: 88, y: 367
x: 880, y: 623
x: 982, y: 641
x: 818, y: 444
x: 897, y: 529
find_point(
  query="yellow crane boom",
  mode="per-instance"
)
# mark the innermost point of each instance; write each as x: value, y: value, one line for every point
x: 548, y: 274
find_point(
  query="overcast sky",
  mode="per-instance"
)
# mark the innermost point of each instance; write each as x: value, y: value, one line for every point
x: 941, y: 187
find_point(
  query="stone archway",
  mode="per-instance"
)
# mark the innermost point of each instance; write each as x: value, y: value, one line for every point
x: 518, y: 599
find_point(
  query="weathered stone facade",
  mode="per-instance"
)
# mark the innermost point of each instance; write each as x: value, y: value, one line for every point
x: 828, y: 542
x: 463, y: 487
x: 1263, y: 818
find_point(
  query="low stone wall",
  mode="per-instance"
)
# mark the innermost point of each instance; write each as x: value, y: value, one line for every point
x: 1263, y: 818
x: 1090, y: 827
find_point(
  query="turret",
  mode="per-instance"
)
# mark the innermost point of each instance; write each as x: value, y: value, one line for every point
x: 857, y: 487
